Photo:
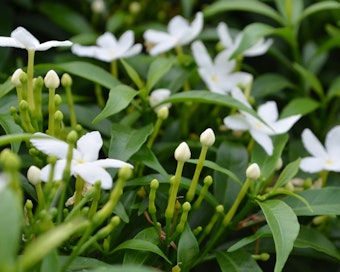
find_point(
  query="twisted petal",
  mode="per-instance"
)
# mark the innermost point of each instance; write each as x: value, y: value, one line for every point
x: 126, y: 40
x: 47, y: 45
x: 236, y: 122
x: 263, y: 140
x: 111, y: 163
x: 163, y: 47
x: 155, y: 36
x: 268, y: 112
x: 313, y: 145
x: 134, y: 50
x: 10, y: 42
x: 84, y: 51
x: 239, y: 95
x: 58, y: 171
x: 259, y: 48
x: 283, y: 125
x: 194, y: 29
x: 107, y: 41
x: 89, y: 146
x: 201, y: 55
x: 332, y: 142
x: 224, y: 36
x: 312, y: 164
x: 24, y: 37
x: 92, y: 173
x: 178, y: 26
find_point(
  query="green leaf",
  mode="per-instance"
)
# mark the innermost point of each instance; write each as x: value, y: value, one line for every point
x: 10, y: 127
x: 303, y: 106
x: 126, y: 141
x: 188, y: 249
x: 119, y: 98
x: 238, y: 261
x: 10, y: 223
x: 287, y: 174
x: 133, y: 74
x: 158, y: 68
x: 80, y: 263
x: 334, y: 89
x: 290, y: 9
x: 323, y: 201
x: 85, y: 70
x: 285, y: 228
x: 317, y: 7
x: 65, y: 17
x: 6, y: 87
x: 246, y: 5
x: 123, y: 268
x: 270, y: 84
x: 51, y: 260
x: 138, y: 244
x: 121, y: 212
x: 311, y: 238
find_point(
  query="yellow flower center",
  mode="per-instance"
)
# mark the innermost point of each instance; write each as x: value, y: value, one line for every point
x: 214, y: 79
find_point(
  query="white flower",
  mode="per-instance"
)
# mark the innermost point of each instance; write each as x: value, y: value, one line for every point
x: 218, y: 75
x: 21, y: 38
x: 323, y: 158
x: 180, y: 32
x: 84, y: 162
x: 259, y: 130
x: 157, y: 96
x: 257, y: 49
x: 108, y: 48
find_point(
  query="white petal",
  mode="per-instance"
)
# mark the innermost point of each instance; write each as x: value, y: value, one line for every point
x: 283, y: 125
x: 111, y: 163
x: 201, y: 54
x: 332, y: 142
x: 10, y: 42
x: 177, y: 26
x: 259, y: 48
x: 313, y: 145
x: 224, y: 36
x: 58, y: 171
x: 47, y: 45
x: 263, y: 140
x: 25, y: 38
x: 222, y: 61
x: 83, y: 51
x: 239, y: 95
x: 312, y: 165
x: 107, y: 41
x: 162, y: 47
x: 157, y: 96
x: 134, y: 50
x: 268, y: 112
x: 239, y: 78
x: 92, y: 173
x: 50, y: 145
x: 236, y: 122
x: 89, y: 146
x: 126, y: 40
x: 155, y: 36
x: 194, y: 29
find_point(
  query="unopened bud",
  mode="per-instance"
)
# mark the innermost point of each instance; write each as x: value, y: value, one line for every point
x: 279, y: 164
x: 182, y: 152
x: 207, y: 137
x: 15, y: 79
x: 66, y: 80
x: 163, y: 113
x: 51, y: 80
x: 34, y: 175
x: 253, y: 171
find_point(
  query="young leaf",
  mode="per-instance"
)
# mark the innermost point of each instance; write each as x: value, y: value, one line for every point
x: 236, y: 262
x: 287, y: 174
x: 317, y: 7
x: 187, y: 249
x: 303, y: 105
x: 158, y: 68
x: 10, y: 127
x: 285, y: 228
x: 133, y: 74
x: 290, y: 10
x: 6, y: 87
x: 119, y: 98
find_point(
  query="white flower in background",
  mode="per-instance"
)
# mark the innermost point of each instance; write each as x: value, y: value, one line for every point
x: 180, y: 32
x: 218, y: 75
x: 157, y: 96
x: 108, y: 48
x: 84, y: 162
x: 257, y: 49
x: 323, y: 158
x: 21, y: 38
x: 261, y: 131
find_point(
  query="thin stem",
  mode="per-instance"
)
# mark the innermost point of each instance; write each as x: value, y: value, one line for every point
x: 30, y: 72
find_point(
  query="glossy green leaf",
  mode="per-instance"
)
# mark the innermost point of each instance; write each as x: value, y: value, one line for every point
x: 138, y: 244
x: 10, y: 225
x: 50, y: 260
x: 123, y: 268
x: 303, y: 106
x: 323, y: 201
x: 334, y: 89
x: 119, y: 98
x: 121, y: 212
x: 132, y: 74
x: 287, y: 174
x: 246, y: 5
x: 158, y: 68
x: 238, y: 261
x: 10, y: 127
x: 85, y: 70
x: 187, y: 250
x: 6, y: 87
x: 65, y: 17
x: 81, y: 263
x: 285, y: 228
x: 290, y: 9
x: 317, y: 7
x: 126, y: 141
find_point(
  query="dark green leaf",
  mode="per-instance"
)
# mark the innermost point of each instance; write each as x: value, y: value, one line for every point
x: 285, y: 228
x: 303, y: 105
x: 133, y: 74
x: 287, y: 174
x: 6, y: 87
x: 237, y: 261
x: 80, y: 263
x: 290, y: 9
x: 334, y: 89
x: 317, y: 7
x: 158, y: 68
x: 123, y: 268
x: 10, y: 127
x: 119, y: 98
x: 121, y: 212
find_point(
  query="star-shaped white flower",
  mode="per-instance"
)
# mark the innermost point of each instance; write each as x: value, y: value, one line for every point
x: 323, y: 158
x: 218, y: 75
x: 157, y: 96
x: 21, y: 38
x: 84, y: 162
x: 257, y: 49
x: 180, y: 32
x: 261, y: 131
x: 108, y: 48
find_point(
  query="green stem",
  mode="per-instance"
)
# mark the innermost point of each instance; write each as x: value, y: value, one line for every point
x: 79, y: 190
x: 51, y: 111
x: 30, y: 72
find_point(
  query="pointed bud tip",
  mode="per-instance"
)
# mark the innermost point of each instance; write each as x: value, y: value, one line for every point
x: 207, y: 137
x: 253, y: 171
x: 52, y: 80
x: 182, y: 152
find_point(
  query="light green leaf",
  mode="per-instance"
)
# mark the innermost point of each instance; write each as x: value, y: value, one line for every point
x: 287, y: 174
x: 123, y: 268
x: 10, y: 127
x: 158, y: 68
x: 50, y: 260
x: 303, y: 106
x: 138, y: 244
x: 10, y: 237
x: 121, y: 212
x: 80, y: 263
x: 285, y: 228
x: 119, y: 98
x: 6, y: 87
x: 317, y: 7
x: 126, y: 141
x: 188, y: 249
x: 246, y: 5
x: 133, y: 74
x: 290, y: 9
x: 334, y: 89
x: 85, y: 70
x: 238, y: 261
x: 324, y: 201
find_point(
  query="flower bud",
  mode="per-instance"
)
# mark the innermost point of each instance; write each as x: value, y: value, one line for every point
x: 279, y: 164
x: 253, y: 171
x: 207, y: 137
x: 163, y: 112
x: 98, y: 6
x: 34, y: 175
x: 66, y: 80
x: 51, y: 80
x: 15, y: 79
x: 182, y: 152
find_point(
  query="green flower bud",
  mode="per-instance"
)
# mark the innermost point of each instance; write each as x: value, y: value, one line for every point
x: 66, y: 80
